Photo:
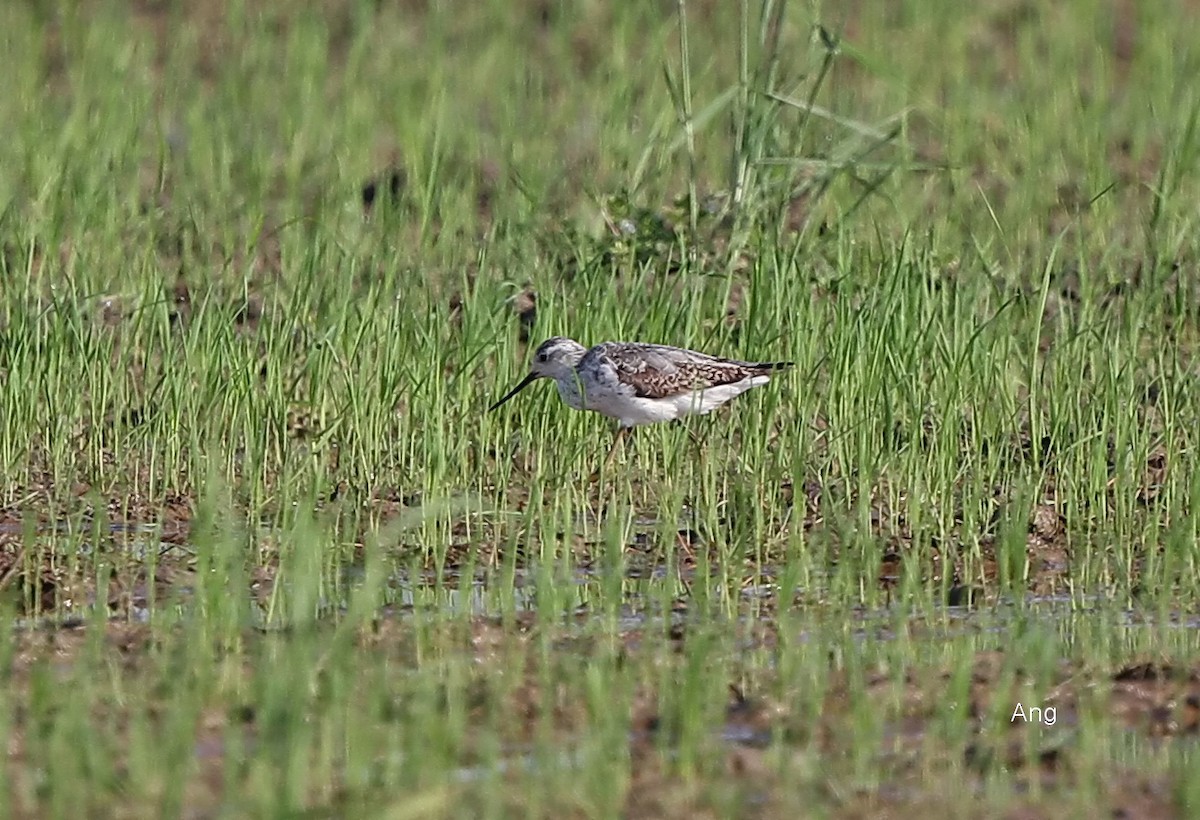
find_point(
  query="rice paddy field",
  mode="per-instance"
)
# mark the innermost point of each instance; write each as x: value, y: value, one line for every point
x: 263, y: 268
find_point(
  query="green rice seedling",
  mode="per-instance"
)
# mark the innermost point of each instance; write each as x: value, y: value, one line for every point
x: 262, y: 271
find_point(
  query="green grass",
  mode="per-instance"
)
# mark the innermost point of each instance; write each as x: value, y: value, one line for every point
x: 263, y: 553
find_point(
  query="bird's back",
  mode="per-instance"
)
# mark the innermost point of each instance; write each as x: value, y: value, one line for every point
x: 658, y: 371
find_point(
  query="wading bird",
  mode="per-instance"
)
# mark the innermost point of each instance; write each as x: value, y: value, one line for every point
x: 641, y: 383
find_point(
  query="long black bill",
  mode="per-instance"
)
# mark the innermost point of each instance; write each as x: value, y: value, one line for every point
x: 525, y: 382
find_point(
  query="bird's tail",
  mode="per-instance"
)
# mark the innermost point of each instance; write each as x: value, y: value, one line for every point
x: 767, y: 367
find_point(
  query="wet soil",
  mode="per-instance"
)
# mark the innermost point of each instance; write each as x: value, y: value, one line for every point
x: 915, y: 766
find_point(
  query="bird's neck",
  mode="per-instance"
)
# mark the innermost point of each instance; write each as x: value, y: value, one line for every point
x: 571, y: 390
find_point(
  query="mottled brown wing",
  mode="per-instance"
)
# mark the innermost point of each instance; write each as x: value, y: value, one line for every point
x: 658, y: 371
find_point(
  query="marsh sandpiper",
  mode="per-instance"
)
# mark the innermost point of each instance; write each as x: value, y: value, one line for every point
x: 641, y: 383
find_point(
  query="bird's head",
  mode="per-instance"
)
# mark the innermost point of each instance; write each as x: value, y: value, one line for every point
x: 555, y: 358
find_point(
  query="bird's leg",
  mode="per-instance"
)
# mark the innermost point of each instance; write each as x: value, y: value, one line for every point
x: 622, y: 432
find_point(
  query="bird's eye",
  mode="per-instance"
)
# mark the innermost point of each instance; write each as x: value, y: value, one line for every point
x: 541, y: 357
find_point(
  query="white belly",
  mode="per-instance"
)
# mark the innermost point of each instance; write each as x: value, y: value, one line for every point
x: 632, y: 411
